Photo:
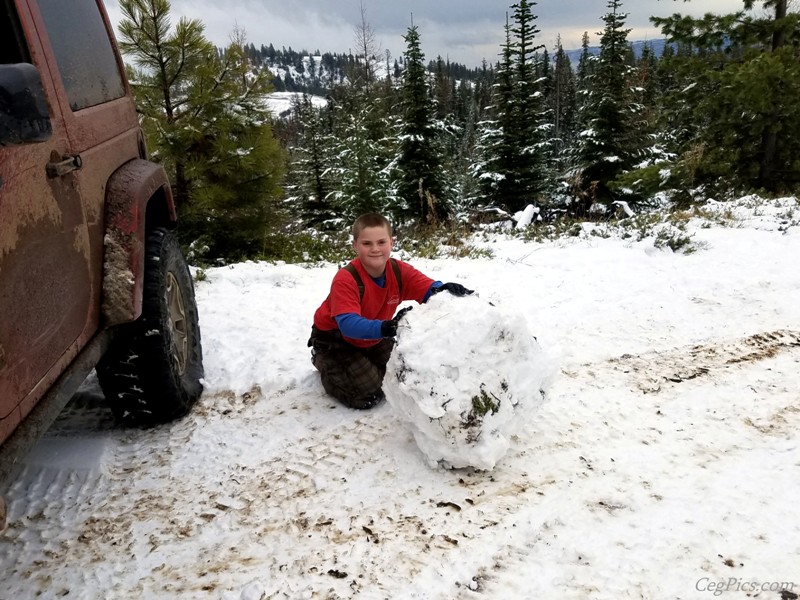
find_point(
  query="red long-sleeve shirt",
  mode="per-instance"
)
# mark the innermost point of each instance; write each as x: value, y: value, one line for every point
x: 377, y: 303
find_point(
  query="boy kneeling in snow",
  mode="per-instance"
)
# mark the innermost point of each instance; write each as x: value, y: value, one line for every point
x: 354, y: 328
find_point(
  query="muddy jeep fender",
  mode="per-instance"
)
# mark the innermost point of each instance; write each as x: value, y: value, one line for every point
x: 138, y: 196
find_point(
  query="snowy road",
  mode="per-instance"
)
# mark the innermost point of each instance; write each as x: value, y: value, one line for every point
x: 664, y: 463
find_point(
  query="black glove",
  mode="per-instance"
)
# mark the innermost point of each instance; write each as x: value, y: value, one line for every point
x: 389, y: 328
x: 454, y: 288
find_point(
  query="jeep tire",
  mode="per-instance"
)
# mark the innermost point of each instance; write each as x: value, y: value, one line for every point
x: 152, y: 372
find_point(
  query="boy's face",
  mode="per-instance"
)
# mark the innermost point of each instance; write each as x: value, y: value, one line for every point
x: 373, y: 247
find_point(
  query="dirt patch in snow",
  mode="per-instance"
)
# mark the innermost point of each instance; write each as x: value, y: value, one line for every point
x: 653, y: 371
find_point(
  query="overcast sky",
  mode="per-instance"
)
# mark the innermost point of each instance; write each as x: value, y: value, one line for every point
x: 466, y: 31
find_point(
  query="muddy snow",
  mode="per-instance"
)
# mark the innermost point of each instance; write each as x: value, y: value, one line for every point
x: 663, y: 462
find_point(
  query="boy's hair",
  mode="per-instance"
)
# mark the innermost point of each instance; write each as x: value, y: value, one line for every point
x: 370, y: 220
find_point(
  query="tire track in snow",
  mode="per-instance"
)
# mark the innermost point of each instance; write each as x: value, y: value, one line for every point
x: 655, y: 370
x: 63, y: 479
x: 300, y: 491
x: 289, y: 512
x: 517, y: 564
x: 388, y: 538
x: 76, y: 498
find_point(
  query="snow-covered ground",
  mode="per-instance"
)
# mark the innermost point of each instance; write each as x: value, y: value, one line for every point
x: 280, y: 103
x: 663, y: 464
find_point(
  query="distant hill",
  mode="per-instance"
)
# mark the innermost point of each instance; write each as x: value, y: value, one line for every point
x: 318, y: 72
x: 638, y: 46
x: 280, y: 103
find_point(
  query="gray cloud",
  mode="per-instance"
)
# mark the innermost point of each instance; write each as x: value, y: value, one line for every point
x: 466, y: 31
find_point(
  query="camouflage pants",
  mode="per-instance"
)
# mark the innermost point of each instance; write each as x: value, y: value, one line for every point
x: 349, y: 374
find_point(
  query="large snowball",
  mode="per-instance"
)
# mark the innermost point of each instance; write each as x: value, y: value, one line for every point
x: 465, y: 373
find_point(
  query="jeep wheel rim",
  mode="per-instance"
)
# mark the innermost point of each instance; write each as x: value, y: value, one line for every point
x: 177, y: 323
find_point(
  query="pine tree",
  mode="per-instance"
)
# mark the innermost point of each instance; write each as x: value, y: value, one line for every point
x: 527, y: 123
x: 647, y: 76
x: 544, y: 72
x: 745, y: 76
x: 563, y: 105
x: 310, y: 156
x: 162, y: 84
x: 484, y: 83
x: 586, y: 64
x: 466, y: 187
x: 420, y: 186
x: 358, y: 157
x: 494, y: 139
x: 608, y: 143
x: 204, y: 117
x: 512, y: 143
x: 362, y: 72
x: 443, y: 89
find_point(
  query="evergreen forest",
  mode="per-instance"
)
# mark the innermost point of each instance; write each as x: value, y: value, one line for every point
x: 598, y: 134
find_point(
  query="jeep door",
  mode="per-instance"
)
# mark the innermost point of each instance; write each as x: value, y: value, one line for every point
x: 45, y: 280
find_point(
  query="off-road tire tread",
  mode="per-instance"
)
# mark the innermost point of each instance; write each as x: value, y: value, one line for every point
x: 138, y: 376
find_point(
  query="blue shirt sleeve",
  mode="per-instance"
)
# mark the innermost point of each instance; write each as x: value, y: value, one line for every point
x: 357, y: 327
x: 434, y: 285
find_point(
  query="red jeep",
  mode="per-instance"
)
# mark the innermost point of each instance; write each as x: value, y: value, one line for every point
x: 91, y: 275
